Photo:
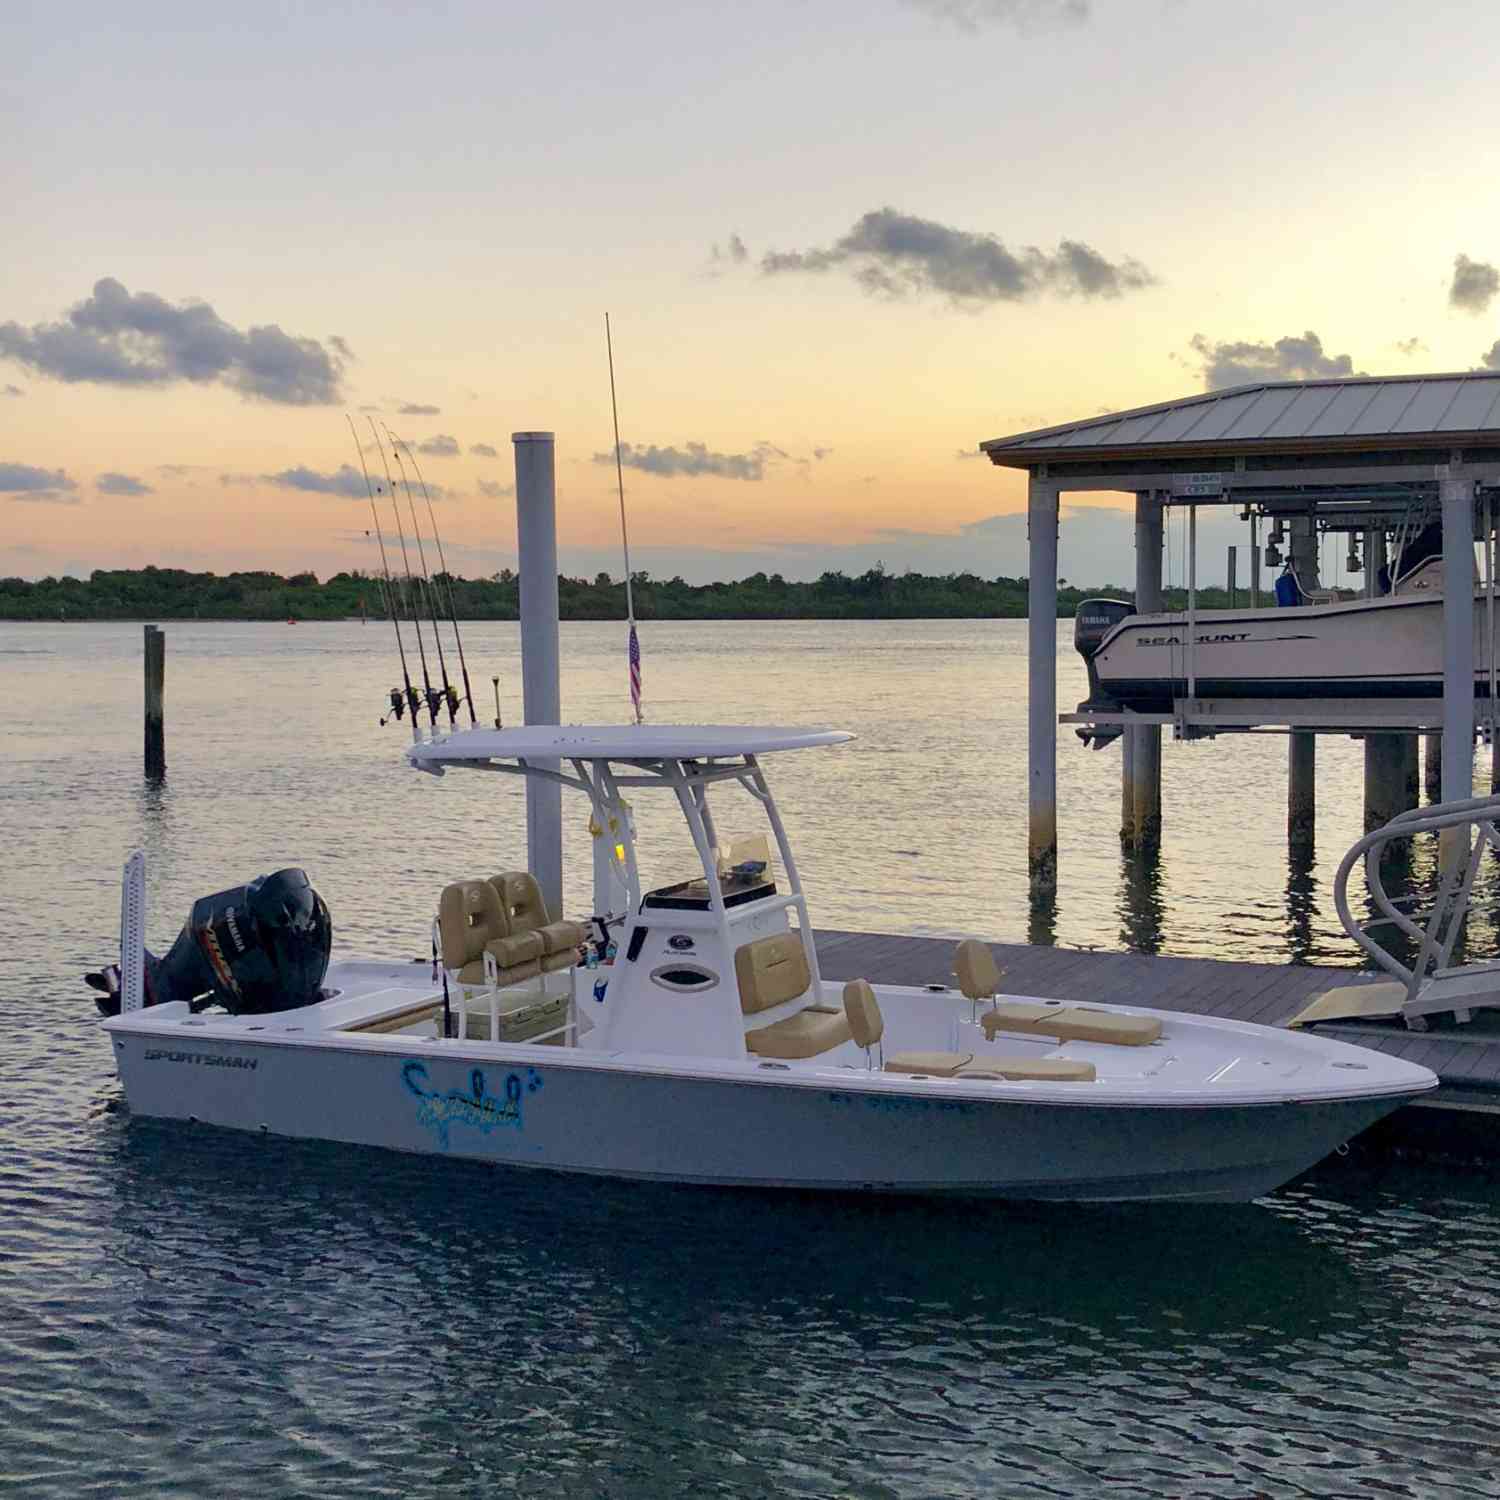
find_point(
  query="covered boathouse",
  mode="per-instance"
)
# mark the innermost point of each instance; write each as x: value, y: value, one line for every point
x: 1351, y: 455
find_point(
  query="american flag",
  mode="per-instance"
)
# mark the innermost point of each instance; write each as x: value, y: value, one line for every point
x: 635, y: 671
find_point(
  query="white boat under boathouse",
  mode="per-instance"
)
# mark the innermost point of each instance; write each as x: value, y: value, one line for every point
x: 1381, y: 462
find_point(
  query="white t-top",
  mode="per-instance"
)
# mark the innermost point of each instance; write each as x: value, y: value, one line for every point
x: 618, y: 742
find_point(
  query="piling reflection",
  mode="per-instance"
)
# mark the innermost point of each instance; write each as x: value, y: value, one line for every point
x: 1142, y: 907
x: 1301, y: 903
x: 1041, y: 918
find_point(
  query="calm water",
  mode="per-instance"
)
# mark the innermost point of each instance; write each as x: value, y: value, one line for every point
x: 185, y: 1312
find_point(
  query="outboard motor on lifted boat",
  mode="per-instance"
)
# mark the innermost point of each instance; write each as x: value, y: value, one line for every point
x: 254, y: 948
x: 1094, y: 620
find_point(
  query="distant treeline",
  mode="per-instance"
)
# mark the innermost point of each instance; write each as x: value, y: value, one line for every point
x: 174, y: 594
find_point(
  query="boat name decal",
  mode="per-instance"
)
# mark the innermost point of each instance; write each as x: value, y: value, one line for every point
x: 1202, y: 640
x: 478, y: 1107
x: 208, y: 1059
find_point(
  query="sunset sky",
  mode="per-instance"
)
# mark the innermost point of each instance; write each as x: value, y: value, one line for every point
x: 840, y: 244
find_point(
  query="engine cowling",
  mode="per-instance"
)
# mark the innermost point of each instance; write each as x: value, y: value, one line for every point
x: 1094, y: 620
x: 254, y: 948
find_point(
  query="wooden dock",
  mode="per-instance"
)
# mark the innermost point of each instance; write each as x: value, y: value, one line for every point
x: 1463, y: 1114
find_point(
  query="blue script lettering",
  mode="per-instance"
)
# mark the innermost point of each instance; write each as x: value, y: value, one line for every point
x: 479, y: 1108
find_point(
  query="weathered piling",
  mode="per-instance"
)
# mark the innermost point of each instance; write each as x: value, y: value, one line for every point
x: 1388, y: 789
x: 1301, y: 788
x: 1140, y: 768
x: 156, y: 664
x: 1432, y: 768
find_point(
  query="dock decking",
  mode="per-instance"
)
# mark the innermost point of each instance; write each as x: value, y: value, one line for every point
x: 1466, y: 1060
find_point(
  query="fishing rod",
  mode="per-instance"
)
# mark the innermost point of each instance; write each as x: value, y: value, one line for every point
x: 450, y: 697
x: 633, y: 649
x: 416, y: 619
x: 448, y: 579
x: 388, y: 589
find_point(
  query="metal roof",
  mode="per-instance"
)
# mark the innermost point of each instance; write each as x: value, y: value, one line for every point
x: 1360, y: 412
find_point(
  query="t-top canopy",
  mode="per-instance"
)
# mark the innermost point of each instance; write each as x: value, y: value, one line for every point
x: 617, y: 742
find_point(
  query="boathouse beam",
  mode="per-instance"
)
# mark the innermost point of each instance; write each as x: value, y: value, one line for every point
x: 536, y: 544
x: 1041, y: 724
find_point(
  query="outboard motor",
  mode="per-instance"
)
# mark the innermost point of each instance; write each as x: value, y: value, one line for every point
x: 252, y: 949
x: 1093, y: 621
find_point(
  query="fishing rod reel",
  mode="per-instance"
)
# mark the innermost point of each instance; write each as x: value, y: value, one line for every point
x: 401, y: 698
x: 440, y: 697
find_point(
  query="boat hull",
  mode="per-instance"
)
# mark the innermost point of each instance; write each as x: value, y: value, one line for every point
x: 541, y: 1108
x: 1374, y: 648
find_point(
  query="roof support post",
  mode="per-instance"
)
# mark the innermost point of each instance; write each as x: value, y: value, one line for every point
x: 1143, y: 762
x: 1457, y: 494
x: 536, y: 543
x: 1041, y: 725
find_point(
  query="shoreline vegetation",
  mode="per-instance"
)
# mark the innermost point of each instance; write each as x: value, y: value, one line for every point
x: 175, y: 594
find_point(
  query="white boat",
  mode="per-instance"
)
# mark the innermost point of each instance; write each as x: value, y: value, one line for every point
x: 1385, y: 647
x: 711, y: 1050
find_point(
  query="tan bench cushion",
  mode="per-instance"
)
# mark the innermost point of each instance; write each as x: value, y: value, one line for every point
x: 804, y: 1035
x: 1041, y: 1069
x: 937, y: 1064
x: 771, y: 971
x: 1072, y: 1023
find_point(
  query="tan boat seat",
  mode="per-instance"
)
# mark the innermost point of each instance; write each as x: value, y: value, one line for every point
x: 978, y: 974
x: 470, y: 916
x: 770, y: 971
x: 966, y: 1065
x: 806, y: 1034
x: 526, y: 916
x: 1071, y: 1023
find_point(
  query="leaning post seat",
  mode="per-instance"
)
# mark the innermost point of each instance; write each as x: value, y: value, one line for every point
x: 533, y: 937
x: 772, y: 971
x: 470, y: 917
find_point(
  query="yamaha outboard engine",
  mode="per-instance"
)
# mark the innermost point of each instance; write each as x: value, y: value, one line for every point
x: 254, y: 948
x: 1094, y: 620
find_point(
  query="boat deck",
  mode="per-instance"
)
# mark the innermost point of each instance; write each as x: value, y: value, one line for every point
x: 1466, y: 1059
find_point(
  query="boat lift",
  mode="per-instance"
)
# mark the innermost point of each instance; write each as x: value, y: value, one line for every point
x: 1431, y: 985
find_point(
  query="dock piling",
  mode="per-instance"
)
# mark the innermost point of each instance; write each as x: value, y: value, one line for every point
x: 1389, y: 784
x: 1301, y: 788
x: 1041, y: 725
x: 536, y: 542
x: 1432, y: 767
x: 1140, y: 769
x: 156, y: 666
